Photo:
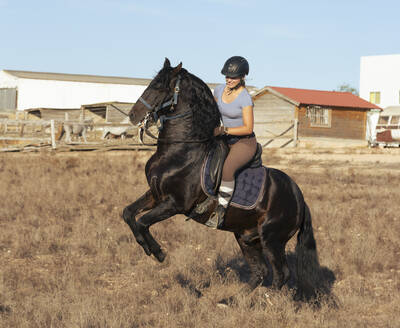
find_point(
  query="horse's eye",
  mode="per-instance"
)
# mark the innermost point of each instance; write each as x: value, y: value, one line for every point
x: 155, y: 86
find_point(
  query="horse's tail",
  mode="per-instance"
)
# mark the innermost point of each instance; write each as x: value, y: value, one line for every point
x: 307, y: 259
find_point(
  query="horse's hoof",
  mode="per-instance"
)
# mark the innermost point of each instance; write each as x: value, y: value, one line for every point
x: 160, y: 256
x: 146, y: 250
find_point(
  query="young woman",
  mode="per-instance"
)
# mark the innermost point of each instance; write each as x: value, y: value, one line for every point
x: 236, y: 108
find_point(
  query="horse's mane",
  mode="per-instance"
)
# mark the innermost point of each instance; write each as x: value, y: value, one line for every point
x: 196, y: 95
x: 206, y: 115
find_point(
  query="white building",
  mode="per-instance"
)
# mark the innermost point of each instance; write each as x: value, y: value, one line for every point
x: 20, y: 90
x: 380, y: 79
x: 24, y: 90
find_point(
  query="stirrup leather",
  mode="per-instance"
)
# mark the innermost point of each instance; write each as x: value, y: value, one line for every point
x: 205, y: 205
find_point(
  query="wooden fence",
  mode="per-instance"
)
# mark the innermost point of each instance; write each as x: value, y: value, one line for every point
x: 18, y: 135
x: 277, y: 133
x: 44, y: 133
x: 28, y: 130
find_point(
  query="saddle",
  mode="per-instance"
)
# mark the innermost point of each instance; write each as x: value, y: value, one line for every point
x: 218, y: 156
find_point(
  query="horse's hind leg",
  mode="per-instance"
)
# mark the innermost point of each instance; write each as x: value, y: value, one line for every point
x: 254, y: 257
x: 144, y: 203
x: 160, y: 212
x: 252, y: 252
x: 274, y: 249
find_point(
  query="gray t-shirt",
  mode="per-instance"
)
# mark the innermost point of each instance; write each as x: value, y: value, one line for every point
x: 232, y: 113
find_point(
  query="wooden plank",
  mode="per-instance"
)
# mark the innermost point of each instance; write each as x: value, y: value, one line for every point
x: 7, y: 122
x: 25, y: 138
x: 286, y: 143
x: 19, y: 122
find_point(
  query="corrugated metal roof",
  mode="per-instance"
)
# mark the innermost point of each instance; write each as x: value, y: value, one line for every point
x: 108, y: 103
x: 92, y: 78
x: 319, y: 97
x: 78, y: 77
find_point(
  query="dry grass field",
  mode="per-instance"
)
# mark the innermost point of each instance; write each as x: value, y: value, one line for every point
x: 68, y: 260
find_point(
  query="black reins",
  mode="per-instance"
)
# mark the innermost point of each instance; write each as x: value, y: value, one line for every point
x: 154, y: 114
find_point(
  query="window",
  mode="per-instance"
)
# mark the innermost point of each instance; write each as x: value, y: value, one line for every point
x: 383, y: 120
x: 375, y: 97
x: 319, y: 116
x: 395, y: 120
x: 388, y: 121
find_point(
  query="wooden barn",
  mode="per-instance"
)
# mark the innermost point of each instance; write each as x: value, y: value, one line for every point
x: 109, y: 112
x: 319, y: 114
x: 57, y: 114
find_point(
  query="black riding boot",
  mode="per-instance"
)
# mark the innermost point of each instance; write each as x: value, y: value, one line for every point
x: 216, y: 219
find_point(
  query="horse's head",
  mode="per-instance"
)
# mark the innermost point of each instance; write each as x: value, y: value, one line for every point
x: 158, y: 95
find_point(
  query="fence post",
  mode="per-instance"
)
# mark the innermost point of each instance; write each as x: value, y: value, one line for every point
x: 21, y: 132
x: 295, y: 131
x: 53, y: 135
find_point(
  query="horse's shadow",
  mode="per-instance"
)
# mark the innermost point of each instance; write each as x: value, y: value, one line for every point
x: 325, y: 277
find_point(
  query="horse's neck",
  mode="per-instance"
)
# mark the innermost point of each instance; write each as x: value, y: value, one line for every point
x: 200, y: 116
x: 192, y: 127
x: 171, y: 147
x: 174, y: 153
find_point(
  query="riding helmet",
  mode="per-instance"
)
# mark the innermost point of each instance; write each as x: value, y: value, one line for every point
x: 235, y: 66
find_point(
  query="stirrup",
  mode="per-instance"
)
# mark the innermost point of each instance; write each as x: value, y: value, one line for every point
x: 204, y: 206
x: 216, y: 219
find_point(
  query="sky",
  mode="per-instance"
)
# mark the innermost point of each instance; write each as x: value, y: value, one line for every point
x: 306, y: 44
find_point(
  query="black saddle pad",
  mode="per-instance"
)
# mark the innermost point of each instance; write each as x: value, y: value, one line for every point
x: 248, y: 186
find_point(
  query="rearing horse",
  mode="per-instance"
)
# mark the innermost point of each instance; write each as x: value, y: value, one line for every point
x: 188, y: 114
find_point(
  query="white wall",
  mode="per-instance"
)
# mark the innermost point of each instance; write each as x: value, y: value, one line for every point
x: 7, y: 80
x: 65, y: 94
x: 381, y: 73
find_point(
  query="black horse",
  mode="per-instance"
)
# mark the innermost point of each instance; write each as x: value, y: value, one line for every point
x: 188, y: 114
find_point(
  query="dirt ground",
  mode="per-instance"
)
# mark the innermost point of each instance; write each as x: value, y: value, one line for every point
x: 68, y: 260
x: 336, y: 157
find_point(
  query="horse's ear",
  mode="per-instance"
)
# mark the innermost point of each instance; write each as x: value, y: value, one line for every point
x: 177, y: 69
x: 167, y: 63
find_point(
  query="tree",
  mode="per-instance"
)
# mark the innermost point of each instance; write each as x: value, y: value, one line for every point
x: 346, y: 87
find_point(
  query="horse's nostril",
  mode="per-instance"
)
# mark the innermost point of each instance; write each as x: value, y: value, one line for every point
x: 131, y: 116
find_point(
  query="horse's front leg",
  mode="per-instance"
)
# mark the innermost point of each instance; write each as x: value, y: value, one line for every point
x: 160, y: 212
x: 144, y: 203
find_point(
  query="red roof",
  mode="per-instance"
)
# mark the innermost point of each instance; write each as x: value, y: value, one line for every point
x: 324, y: 98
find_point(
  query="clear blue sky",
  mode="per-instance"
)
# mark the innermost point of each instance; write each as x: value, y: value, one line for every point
x: 315, y: 44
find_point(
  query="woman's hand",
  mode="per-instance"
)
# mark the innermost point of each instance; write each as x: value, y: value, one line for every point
x: 220, y: 130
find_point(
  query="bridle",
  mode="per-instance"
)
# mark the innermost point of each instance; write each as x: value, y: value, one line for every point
x: 153, y: 114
